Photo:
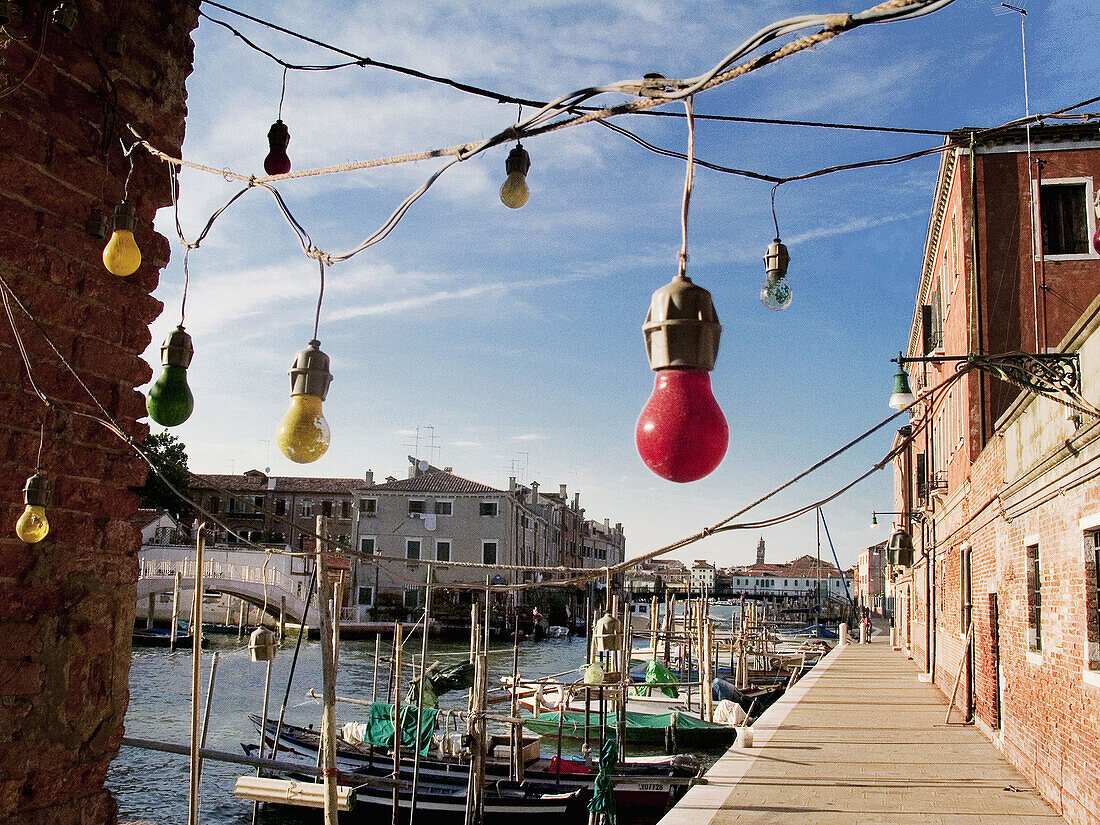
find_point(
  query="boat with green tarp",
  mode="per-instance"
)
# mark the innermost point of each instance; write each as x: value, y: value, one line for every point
x: 641, y: 728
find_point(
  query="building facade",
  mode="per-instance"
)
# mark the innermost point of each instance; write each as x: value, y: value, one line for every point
x: 998, y: 487
x: 871, y: 579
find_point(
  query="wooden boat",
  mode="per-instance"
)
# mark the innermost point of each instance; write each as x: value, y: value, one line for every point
x: 755, y: 700
x: 641, y: 728
x: 161, y: 637
x: 644, y: 789
x: 443, y: 799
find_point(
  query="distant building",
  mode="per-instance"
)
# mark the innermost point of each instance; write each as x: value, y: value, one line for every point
x: 871, y: 579
x: 702, y: 575
x: 802, y: 577
x: 760, y: 551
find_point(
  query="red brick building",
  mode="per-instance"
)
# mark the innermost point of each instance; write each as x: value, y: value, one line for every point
x: 70, y: 87
x: 1003, y: 486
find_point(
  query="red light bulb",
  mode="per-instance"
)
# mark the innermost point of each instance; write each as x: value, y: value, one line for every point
x: 682, y: 434
x: 277, y: 161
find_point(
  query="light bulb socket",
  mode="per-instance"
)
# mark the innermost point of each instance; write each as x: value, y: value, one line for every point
x: 517, y: 161
x: 5, y: 12
x: 124, y: 217
x: 278, y: 136
x: 37, y: 491
x: 115, y: 43
x: 177, y: 349
x: 96, y: 225
x: 64, y: 16
x: 681, y: 329
x: 776, y: 259
x: 310, y: 374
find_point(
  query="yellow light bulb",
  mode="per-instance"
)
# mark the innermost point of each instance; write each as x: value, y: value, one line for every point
x: 303, y: 434
x: 121, y: 256
x: 32, y: 526
x: 514, y: 193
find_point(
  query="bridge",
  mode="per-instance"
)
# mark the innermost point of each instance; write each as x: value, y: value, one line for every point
x: 265, y: 588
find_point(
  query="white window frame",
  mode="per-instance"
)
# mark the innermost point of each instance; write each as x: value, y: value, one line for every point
x: 359, y: 595
x: 450, y: 549
x: 368, y: 506
x: 496, y: 551
x: 374, y: 544
x: 1090, y: 212
x: 496, y: 509
x: 416, y: 513
x: 1090, y: 664
x: 449, y: 504
x: 419, y: 549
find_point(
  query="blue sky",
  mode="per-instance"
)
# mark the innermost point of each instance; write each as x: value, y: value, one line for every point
x: 516, y: 335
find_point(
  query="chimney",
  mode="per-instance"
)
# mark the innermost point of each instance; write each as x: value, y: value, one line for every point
x: 618, y: 527
x: 562, y: 492
x: 576, y: 501
x: 607, y: 524
x: 534, y: 493
x: 511, y: 484
x: 368, y: 476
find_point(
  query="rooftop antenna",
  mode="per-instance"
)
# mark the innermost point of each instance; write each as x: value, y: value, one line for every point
x: 434, y: 451
x: 1036, y: 232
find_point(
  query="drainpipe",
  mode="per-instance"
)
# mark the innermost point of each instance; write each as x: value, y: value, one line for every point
x: 1039, y: 249
x: 978, y: 345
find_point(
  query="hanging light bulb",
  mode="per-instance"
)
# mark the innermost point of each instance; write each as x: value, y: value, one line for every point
x: 776, y: 294
x: 514, y: 193
x: 303, y: 434
x: 170, y: 401
x: 121, y: 255
x: 682, y: 434
x: 32, y: 526
x: 277, y: 161
x: 64, y: 16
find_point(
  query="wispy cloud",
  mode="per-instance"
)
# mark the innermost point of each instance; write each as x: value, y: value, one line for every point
x: 528, y: 437
x: 467, y: 444
x: 853, y: 225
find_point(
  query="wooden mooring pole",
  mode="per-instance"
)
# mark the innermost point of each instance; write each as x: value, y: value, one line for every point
x: 196, y: 680
x: 328, y: 678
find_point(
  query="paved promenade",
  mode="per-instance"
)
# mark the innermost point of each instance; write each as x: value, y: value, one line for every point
x: 858, y: 741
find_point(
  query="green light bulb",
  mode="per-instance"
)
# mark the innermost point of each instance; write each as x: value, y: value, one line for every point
x: 170, y: 401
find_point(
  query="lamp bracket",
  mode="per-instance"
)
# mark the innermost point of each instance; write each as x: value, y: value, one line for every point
x: 1045, y: 372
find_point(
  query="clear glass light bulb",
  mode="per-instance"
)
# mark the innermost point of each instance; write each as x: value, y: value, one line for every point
x: 682, y: 434
x: 121, y: 256
x: 303, y: 434
x: 776, y: 294
x: 170, y: 401
x: 32, y: 526
x: 514, y: 193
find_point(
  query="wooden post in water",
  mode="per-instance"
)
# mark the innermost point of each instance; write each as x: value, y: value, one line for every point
x: 397, y: 642
x: 374, y: 677
x: 240, y: 618
x: 149, y: 611
x: 175, y: 610
x: 282, y: 618
x: 516, y: 738
x: 420, y: 691
x: 196, y: 679
x: 669, y: 607
x: 328, y: 678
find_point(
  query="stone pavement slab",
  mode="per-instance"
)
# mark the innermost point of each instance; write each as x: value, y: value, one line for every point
x: 859, y: 740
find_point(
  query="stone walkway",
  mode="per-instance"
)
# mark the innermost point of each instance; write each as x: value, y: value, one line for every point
x: 861, y: 741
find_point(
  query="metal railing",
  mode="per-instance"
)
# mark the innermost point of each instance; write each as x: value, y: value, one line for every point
x: 217, y: 570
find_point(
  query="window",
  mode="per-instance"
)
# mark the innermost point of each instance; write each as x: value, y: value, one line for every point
x: 326, y: 509
x: 280, y: 506
x: 416, y: 506
x: 232, y: 504
x: 488, y: 552
x: 489, y: 508
x: 367, y: 546
x: 1092, y: 598
x: 1034, y: 600
x: 307, y: 507
x: 444, y: 508
x: 442, y: 550
x: 258, y: 503
x: 368, y: 505
x: 214, y: 503
x: 277, y: 538
x: 412, y: 597
x: 345, y: 509
x: 412, y: 548
x: 366, y: 596
x: 1063, y: 206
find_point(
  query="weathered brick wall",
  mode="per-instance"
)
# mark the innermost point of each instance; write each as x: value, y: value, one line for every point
x: 66, y: 603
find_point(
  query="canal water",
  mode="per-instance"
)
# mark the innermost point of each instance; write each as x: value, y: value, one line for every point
x: 152, y: 786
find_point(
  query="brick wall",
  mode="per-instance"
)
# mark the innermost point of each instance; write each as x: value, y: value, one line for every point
x: 66, y: 603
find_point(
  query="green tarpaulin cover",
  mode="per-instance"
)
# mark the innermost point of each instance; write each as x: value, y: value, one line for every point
x: 655, y: 674
x: 380, y: 726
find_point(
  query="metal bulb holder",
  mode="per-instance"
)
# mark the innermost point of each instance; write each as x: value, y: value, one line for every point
x: 681, y: 433
x: 170, y: 401
x: 514, y: 193
x: 115, y: 43
x: 262, y: 645
x: 5, y: 12
x: 303, y: 434
x: 609, y: 633
x: 900, y: 549
x: 64, y: 17
x: 776, y: 293
x: 121, y: 256
x: 277, y: 161
x: 32, y: 525
x: 96, y: 225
